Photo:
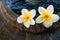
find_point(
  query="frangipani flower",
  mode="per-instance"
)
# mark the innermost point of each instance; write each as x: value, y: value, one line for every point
x: 47, y: 17
x: 27, y: 17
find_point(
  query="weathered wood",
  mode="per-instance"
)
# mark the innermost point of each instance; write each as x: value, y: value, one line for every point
x: 11, y: 17
x: 11, y: 30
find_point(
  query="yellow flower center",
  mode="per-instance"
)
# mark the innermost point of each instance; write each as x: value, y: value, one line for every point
x: 26, y: 17
x: 46, y: 16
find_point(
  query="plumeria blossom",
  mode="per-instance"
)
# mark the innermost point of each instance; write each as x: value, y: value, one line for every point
x: 46, y: 16
x: 27, y: 17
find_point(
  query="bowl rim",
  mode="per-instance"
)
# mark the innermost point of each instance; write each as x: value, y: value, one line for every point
x: 11, y: 17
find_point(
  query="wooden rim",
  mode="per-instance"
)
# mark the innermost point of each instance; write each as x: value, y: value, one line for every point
x: 11, y: 17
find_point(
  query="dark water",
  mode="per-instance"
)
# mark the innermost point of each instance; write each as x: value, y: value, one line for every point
x: 17, y: 5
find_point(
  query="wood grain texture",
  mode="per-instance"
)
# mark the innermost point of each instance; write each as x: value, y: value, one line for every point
x: 9, y: 29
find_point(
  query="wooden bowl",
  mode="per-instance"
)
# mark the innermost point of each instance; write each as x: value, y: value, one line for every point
x: 11, y: 18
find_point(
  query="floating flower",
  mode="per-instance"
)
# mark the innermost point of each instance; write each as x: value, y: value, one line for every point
x: 47, y: 16
x: 27, y: 17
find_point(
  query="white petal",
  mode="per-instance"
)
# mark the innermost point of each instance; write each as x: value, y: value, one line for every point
x: 33, y: 22
x: 41, y: 10
x: 19, y: 19
x: 33, y: 13
x: 27, y: 25
x: 55, y: 18
x: 38, y: 20
x: 50, y: 8
x: 24, y: 11
x: 47, y: 25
